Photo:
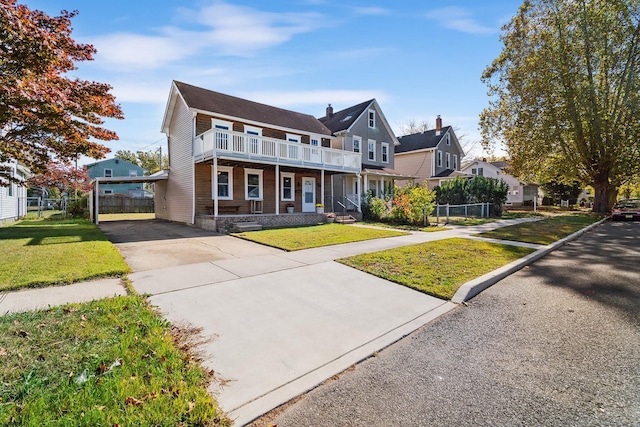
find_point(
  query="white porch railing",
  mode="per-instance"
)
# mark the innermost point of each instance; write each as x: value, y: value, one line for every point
x: 229, y: 144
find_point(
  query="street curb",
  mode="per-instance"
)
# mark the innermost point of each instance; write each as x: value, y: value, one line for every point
x: 479, y: 284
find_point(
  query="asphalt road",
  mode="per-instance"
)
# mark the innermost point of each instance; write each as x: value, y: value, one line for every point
x: 556, y: 344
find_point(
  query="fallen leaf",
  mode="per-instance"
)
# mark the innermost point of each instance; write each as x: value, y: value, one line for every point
x: 83, y: 317
x: 16, y: 322
x: 192, y: 405
x: 3, y: 351
x: 102, y: 369
x: 82, y: 325
x: 132, y: 401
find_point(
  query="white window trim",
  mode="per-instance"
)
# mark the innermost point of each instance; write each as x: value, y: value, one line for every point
x: 371, y: 141
x: 110, y: 173
x: 359, y: 139
x: 455, y: 162
x: 385, y: 145
x: 439, y: 158
x: 317, y: 139
x: 448, y: 139
x: 133, y: 172
x: 229, y: 170
x: 223, y: 123
x: 370, y: 119
x: 256, y: 131
x: 293, y: 186
x: 246, y: 183
x: 107, y: 191
x: 448, y: 160
x: 296, y: 138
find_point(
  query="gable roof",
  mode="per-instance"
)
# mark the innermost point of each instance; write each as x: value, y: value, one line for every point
x: 117, y: 160
x: 343, y: 119
x: 421, y: 140
x: 213, y: 102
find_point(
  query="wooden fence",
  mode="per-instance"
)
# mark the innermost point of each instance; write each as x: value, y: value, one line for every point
x: 122, y: 203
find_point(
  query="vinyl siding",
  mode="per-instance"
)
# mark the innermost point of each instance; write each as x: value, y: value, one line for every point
x: 379, y: 134
x: 414, y: 163
x: 179, y: 187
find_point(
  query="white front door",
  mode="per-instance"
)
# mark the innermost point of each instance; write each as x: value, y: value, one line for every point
x: 308, y: 194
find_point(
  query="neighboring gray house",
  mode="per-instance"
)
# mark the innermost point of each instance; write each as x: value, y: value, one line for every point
x: 117, y: 168
x: 363, y: 129
x: 13, y: 198
x: 520, y: 192
x: 432, y: 156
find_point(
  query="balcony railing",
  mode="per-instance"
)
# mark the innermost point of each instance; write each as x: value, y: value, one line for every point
x: 229, y: 144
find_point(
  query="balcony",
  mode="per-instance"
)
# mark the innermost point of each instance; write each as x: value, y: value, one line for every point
x: 219, y: 143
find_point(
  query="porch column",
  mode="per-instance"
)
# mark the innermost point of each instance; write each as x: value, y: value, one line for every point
x: 359, y: 201
x: 214, y: 187
x: 277, y: 196
x: 97, y: 190
x: 322, y: 186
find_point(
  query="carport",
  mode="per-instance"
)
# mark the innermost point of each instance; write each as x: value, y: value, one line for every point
x: 94, y: 195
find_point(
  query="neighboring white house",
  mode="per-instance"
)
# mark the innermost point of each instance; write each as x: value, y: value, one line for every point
x: 520, y: 192
x: 13, y: 198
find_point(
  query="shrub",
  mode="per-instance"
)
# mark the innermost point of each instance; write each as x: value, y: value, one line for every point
x: 77, y: 208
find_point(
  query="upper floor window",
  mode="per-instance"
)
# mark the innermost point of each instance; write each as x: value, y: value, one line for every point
x: 439, y: 158
x: 108, y: 191
x: 372, y: 119
x: 448, y: 157
x: 108, y: 173
x: 372, y: 150
x: 293, y: 138
x: 314, y: 141
x: 448, y: 139
x: 221, y: 137
x: 455, y: 162
x: 356, y: 144
x: 133, y: 172
x: 385, y: 152
x: 477, y: 171
x: 225, y: 183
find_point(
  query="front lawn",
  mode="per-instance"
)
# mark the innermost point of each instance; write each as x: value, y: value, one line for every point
x: 297, y: 238
x: 437, y: 268
x: 45, y: 252
x: 427, y: 229
x: 543, y: 232
x: 113, y: 362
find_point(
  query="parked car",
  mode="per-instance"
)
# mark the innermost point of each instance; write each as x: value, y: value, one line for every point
x: 627, y: 209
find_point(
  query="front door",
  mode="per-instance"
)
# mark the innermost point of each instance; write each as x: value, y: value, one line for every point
x: 308, y: 194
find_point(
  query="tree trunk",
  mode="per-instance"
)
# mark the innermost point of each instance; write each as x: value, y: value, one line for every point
x: 605, y: 196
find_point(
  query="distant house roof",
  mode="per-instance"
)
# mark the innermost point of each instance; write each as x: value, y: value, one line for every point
x: 420, y: 141
x: 500, y: 165
x: 343, y: 119
x: 227, y: 105
x: 444, y: 173
x: 114, y: 160
x: 383, y: 171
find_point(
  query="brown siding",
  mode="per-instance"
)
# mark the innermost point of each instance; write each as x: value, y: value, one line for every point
x: 177, y: 203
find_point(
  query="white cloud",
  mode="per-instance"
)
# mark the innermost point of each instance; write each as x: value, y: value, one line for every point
x: 338, y: 98
x: 371, y: 10
x: 459, y: 19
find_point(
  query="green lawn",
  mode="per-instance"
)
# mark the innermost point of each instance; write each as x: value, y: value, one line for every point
x: 297, y: 238
x: 427, y: 229
x: 478, y: 221
x: 113, y: 362
x: 437, y: 268
x: 45, y: 252
x: 545, y: 231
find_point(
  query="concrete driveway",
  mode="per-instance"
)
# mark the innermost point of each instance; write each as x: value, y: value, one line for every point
x: 280, y: 323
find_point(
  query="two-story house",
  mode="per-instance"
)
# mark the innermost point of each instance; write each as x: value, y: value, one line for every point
x: 13, y: 197
x: 232, y: 159
x: 363, y: 129
x: 520, y: 192
x: 112, y: 168
x: 432, y: 156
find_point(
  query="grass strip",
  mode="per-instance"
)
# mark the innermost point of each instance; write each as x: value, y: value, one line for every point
x: 45, y: 252
x: 109, y: 362
x: 543, y: 232
x: 437, y: 268
x: 297, y: 238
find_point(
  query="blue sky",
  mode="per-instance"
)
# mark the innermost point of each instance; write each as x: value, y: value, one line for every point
x: 417, y: 58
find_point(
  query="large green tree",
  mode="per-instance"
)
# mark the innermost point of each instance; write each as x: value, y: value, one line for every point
x: 46, y: 115
x: 565, y: 93
x: 149, y: 160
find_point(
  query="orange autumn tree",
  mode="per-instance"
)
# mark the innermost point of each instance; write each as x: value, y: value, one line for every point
x: 45, y: 114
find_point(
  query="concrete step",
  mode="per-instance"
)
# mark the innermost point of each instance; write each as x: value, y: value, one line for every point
x: 345, y: 219
x: 239, y: 227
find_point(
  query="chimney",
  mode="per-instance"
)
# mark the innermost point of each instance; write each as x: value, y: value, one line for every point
x: 329, y: 111
x: 438, y: 125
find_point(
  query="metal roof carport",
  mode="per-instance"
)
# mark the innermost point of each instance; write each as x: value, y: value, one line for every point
x: 94, y: 204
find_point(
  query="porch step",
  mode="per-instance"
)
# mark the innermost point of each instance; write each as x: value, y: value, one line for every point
x: 239, y: 227
x: 347, y: 219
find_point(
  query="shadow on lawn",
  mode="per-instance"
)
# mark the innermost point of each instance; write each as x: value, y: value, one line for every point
x: 52, y: 232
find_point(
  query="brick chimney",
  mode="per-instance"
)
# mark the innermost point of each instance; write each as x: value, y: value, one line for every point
x: 438, y: 125
x: 329, y: 111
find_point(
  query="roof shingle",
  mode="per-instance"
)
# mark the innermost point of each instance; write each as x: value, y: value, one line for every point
x: 343, y: 119
x: 420, y: 141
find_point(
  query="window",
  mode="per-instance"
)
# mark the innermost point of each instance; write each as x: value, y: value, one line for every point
x: 356, y: 144
x: 133, y: 173
x: 293, y: 138
x: 253, y: 143
x: 314, y: 141
x: 221, y: 138
x: 385, y: 152
x: 515, y: 189
x: 448, y: 139
x: 108, y: 191
x: 373, y: 187
x: 372, y: 150
x: 480, y: 172
x: 439, y: 159
x: 225, y: 183
x: 253, y: 184
x: 287, y: 181
x: 448, y: 157
x: 372, y: 119
x: 108, y: 173
x: 455, y: 162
